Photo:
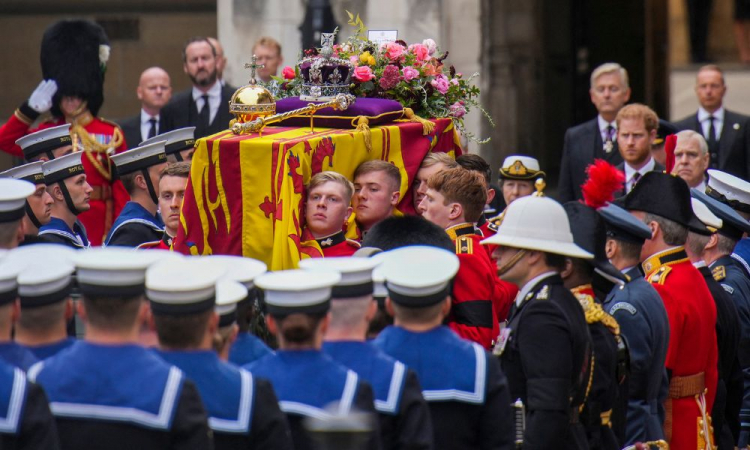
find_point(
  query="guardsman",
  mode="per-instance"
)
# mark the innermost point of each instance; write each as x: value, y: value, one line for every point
x: 610, y: 351
x: 68, y: 185
x: 11, y: 352
x: 138, y: 169
x: 247, y: 347
x: 13, y: 195
x: 180, y: 143
x: 729, y: 389
x: 662, y: 202
x: 402, y: 410
x: 326, y: 213
x: 643, y: 322
x: 107, y: 390
x: 74, y: 55
x: 38, y: 204
x: 306, y: 381
x: 462, y: 383
x: 243, y: 411
x: 545, y: 350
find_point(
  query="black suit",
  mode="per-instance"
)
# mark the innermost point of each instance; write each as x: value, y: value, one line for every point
x: 583, y: 144
x: 621, y: 167
x: 131, y: 129
x: 734, y: 142
x: 182, y: 111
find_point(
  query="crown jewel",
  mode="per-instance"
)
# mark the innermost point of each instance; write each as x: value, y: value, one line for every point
x: 323, y: 75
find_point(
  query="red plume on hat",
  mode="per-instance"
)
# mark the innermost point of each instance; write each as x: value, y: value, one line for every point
x: 603, y: 181
x: 669, y: 145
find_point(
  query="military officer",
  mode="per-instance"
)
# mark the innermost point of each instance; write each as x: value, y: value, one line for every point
x: 180, y: 143
x: 243, y: 411
x: 306, y: 380
x: 67, y: 184
x: 643, y: 322
x: 38, y: 204
x: 139, y: 221
x: 464, y: 387
x: 106, y: 390
x: 545, y: 349
x: 662, y: 202
x: 403, y: 413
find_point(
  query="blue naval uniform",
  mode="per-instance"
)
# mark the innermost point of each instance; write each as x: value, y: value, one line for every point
x: 58, y: 232
x: 643, y: 321
x: 306, y: 382
x: 134, y: 226
x: 247, y: 348
x: 121, y: 397
x: 402, y: 410
x: 464, y: 387
x: 17, y: 355
x: 741, y: 255
x: 49, y: 350
x: 25, y: 419
x: 243, y: 411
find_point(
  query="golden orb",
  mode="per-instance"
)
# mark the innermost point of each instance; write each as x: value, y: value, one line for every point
x: 250, y: 102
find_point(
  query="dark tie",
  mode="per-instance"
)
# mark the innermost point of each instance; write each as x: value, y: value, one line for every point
x: 713, y: 145
x: 609, y: 138
x: 636, y: 177
x: 152, y: 130
x: 204, y: 115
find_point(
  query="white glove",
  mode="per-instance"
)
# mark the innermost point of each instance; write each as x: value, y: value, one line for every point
x: 41, y: 99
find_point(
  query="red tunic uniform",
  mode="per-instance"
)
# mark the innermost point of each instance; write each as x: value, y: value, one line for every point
x: 334, y: 245
x: 488, y: 227
x: 109, y: 196
x: 692, y: 355
x: 165, y: 243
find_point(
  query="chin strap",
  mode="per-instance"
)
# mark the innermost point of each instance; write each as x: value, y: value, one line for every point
x: 150, y: 186
x: 512, y: 262
x: 32, y: 217
x: 68, y: 198
x: 178, y: 155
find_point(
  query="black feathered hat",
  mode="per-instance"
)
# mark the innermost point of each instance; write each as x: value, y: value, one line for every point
x: 74, y: 54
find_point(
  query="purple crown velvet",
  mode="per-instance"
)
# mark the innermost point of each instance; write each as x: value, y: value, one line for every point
x: 378, y: 111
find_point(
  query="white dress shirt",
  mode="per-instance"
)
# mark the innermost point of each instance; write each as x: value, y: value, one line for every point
x: 146, y: 124
x: 214, y: 100
x: 630, y: 173
x: 703, y: 116
x: 603, y: 124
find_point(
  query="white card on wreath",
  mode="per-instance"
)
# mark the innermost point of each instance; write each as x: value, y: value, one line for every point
x: 382, y: 36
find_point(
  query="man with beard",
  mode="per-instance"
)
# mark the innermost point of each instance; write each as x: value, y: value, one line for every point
x: 206, y: 104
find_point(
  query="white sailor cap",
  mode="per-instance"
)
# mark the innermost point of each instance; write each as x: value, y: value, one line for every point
x: 705, y: 215
x: 139, y: 158
x: 228, y: 294
x: 239, y: 268
x: 29, y: 255
x: 182, y: 287
x: 729, y: 189
x: 176, y: 140
x: 113, y: 271
x: 31, y: 172
x: 418, y: 276
x: 519, y: 167
x: 45, y: 282
x: 13, y: 195
x: 44, y: 141
x: 62, y: 168
x: 356, y: 274
x: 380, y: 292
x: 297, y: 291
x: 8, y: 281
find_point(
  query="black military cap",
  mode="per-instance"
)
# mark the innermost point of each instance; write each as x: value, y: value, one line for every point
x: 664, y: 130
x: 623, y: 226
x: 589, y: 233
x: 733, y: 225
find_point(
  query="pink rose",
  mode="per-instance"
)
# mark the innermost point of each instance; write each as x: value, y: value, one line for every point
x: 457, y: 110
x: 410, y: 73
x: 420, y: 51
x: 432, y: 68
x: 440, y: 83
x: 363, y: 73
x: 431, y: 46
x: 454, y: 81
x: 288, y: 73
x: 394, y: 51
x: 354, y: 60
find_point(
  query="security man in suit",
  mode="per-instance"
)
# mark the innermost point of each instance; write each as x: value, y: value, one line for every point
x: 403, y: 413
x: 38, y: 204
x: 595, y: 139
x: 545, y: 349
x: 206, y: 104
x: 107, y: 390
x: 726, y: 132
x: 643, y: 322
x: 154, y: 91
x: 243, y: 411
x: 139, y: 170
x: 701, y: 244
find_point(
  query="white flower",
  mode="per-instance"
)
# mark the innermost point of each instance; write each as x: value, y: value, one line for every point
x: 431, y: 45
x: 103, y: 54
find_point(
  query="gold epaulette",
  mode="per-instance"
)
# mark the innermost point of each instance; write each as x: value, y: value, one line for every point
x: 109, y: 122
x: 719, y: 273
x: 464, y: 245
x: 660, y: 276
x: 595, y: 313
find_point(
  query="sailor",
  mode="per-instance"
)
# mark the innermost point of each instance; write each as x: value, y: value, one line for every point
x: 13, y: 195
x: 108, y: 391
x: 467, y: 393
x: 307, y: 382
x: 545, y: 350
x: 46, y: 144
x: 38, y: 205
x: 180, y: 143
x: 11, y: 352
x: 243, y: 411
x: 403, y: 413
x: 139, y: 221
x: 67, y: 184
x: 247, y: 347
x: 643, y: 322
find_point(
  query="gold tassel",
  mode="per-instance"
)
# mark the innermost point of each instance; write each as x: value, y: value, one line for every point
x: 363, y: 126
x: 427, y: 126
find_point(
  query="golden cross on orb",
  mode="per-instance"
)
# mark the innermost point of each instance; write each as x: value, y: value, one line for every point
x: 253, y: 67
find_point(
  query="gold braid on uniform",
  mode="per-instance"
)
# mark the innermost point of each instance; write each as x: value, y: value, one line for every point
x: 594, y: 311
x: 93, y: 149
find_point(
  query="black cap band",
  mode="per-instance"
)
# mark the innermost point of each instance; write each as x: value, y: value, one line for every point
x: 734, y: 204
x: 63, y: 174
x: 134, y: 166
x: 318, y: 308
x: 354, y: 290
x: 182, y: 309
x: 421, y: 301
x: 97, y: 290
x: 228, y: 319
x: 36, y: 178
x: 177, y: 147
x: 8, y: 297
x: 35, y: 301
x: 11, y: 216
x: 47, y: 146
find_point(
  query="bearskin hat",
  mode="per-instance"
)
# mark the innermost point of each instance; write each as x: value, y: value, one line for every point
x: 74, y: 54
